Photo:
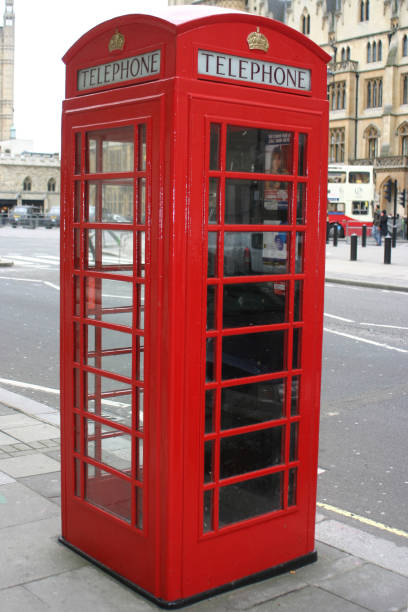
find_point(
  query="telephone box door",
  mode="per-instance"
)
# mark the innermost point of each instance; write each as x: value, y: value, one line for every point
x: 255, y: 350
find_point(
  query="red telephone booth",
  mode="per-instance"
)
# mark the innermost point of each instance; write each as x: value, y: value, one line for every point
x: 193, y: 233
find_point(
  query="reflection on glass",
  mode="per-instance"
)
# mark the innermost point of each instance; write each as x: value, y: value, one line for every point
x: 110, y: 150
x: 209, y: 461
x: 77, y: 202
x: 140, y: 254
x: 299, y: 252
x: 140, y: 289
x: 142, y: 147
x: 210, y: 360
x: 108, y: 445
x: 110, y: 250
x: 111, y: 493
x: 142, y: 201
x: 139, y: 409
x: 109, y: 300
x: 294, y: 434
x: 295, y: 395
x: 208, y: 511
x: 214, y: 200
x: 245, y: 500
x: 248, y: 253
x: 109, y: 201
x: 109, y: 350
x: 302, y: 155
x: 77, y: 248
x: 77, y: 342
x: 139, y: 459
x: 251, y: 451
x: 139, y: 342
x: 77, y: 295
x: 246, y: 304
x: 77, y: 389
x: 253, y: 354
x: 77, y: 470
x: 244, y: 405
x: 256, y: 202
x: 215, y: 133
x: 139, y: 507
x: 301, y: 203
x: 77, y: 433
x: 78, y: 149
x: 211, y: 306
x: 297, y: 335
x: 212, y: 254
x: 258, y: 150
x: 292, y: 488
x: 210, y: 399
x: 298, y: 305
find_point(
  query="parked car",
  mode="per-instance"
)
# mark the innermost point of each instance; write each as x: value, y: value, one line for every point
x: 24, y: 216
x: 52, y: 217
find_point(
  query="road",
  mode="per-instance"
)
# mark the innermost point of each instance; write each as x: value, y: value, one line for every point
x: 364, y: 417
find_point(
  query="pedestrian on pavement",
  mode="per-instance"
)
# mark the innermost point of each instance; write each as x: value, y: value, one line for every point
x: 384, y: 223
x: 376, y: 225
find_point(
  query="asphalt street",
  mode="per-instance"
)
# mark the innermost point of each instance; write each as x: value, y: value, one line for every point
x: 364, y: 420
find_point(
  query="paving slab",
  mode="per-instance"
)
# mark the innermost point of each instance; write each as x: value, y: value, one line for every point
x: 6, y: 439
x: 20, y: 505
x: 48, y: 485
x: 25, y: 404
x: 310, y: 599
x: 87, y: 589
x: 32, y: 552
x: 5, y: 410
x: 5, y: 479
x: 372, y: 587
x: 33, y: 432
x: 28, y: 465
x: 16, y: 420
x: 18, y: 599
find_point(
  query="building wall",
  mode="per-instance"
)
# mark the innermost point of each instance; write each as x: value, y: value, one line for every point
x: 7, y: 71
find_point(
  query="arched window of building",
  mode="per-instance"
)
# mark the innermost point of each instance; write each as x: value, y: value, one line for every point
x: 308, y: 24
x: 374, y: 93
x: 402, y: 133
x: 404, y: 89
x: 374, y: 51
x: 51, y: 185
x: 379, y: 51
x: 336, y: 145
x: 369, y: 96
x: 405, y: 45
x: 367, y: 10
x: 362, y: 11
x: 343, y: 54
x: 368, y: 53
x: 348, y: 53
x: 371, y: 135
x: 27, y: 184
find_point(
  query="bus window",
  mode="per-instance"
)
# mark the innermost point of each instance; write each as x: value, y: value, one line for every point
x: 360, y: 208
x: 359, y: 177
x: 336, y: 177
x: 335, y: 207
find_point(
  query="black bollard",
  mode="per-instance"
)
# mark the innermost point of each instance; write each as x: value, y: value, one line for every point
x: 353, y: 247
x: 387, y: 249
x: 394, y: 235
x: 364, y: 236
x: 327, y: 232
x: 335, y: 233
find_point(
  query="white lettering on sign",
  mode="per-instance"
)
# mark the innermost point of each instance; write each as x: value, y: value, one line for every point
x: 237, y: 68
x: 127, y: 69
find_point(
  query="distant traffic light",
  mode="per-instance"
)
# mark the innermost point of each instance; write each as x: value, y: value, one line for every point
x: 388, y: 190
x: 402, y: 197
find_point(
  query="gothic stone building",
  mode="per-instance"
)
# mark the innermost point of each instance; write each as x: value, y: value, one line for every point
x: 367, y: 77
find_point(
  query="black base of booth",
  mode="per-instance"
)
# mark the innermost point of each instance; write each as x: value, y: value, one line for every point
x: 180, y: 603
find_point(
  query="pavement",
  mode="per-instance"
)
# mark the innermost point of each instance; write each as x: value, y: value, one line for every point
x: 357, y: 569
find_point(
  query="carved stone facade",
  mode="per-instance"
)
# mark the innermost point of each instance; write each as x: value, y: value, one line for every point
x: 7, y: 71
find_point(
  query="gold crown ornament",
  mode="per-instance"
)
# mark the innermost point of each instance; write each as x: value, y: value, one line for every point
x: 256, y: 40
x: 116, y: 42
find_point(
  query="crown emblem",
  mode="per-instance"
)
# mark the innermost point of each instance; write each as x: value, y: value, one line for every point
x: 256, y: 40
x: 116, y: 42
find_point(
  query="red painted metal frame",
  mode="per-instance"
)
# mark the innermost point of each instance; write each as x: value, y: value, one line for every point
x: 168, y: 555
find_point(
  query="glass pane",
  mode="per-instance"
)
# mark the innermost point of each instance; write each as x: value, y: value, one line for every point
x: 247, y: 304
x: 253, y: 354
x: 77, y: 388
x: 250, y: 498
x: 139, y: 507
x: 297, y: 336
x: 212, y: 254
x: 301, y: 203
x: 295, y: 395
x: 78, y: 149
x: 77, y: 342
x: 294, y: 433
x: 142, y: 202
x: 214, y: 200
x: 299, y: 254
x: 251, y: 404
x: 77, y: 433
x: 109, y: 446
x: 298, y: 305
x: 140, y: 289
x: 109, y: 350
x: 109, y: 201
x: 215, y: 134
x: 109, y: 300
x: 110, y: 250
x: 77, y: 202
x: 109, y: 399
x: 77, y: 248
x: 111, y: 493
x: 210, y: 360
x: 302, y: 155
x: 257, y: 150
x: 209, y: 461
x: 139, y: 409
x: 211, y: 306
x: 210, y: 399
x: 142, y: 147
x: 140, y: 254
x: 292, y: 490
x: 139, y: 459
x: 77, y: 296
x: 247, y: 253
x: 256, y: 202
x: 139, y: 366
x: 252, y: 451
x: 110, y: 150
x: 208, y: 511
x: 77, y: 485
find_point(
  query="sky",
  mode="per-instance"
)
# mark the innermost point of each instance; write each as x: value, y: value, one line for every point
x: 45, y: 30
